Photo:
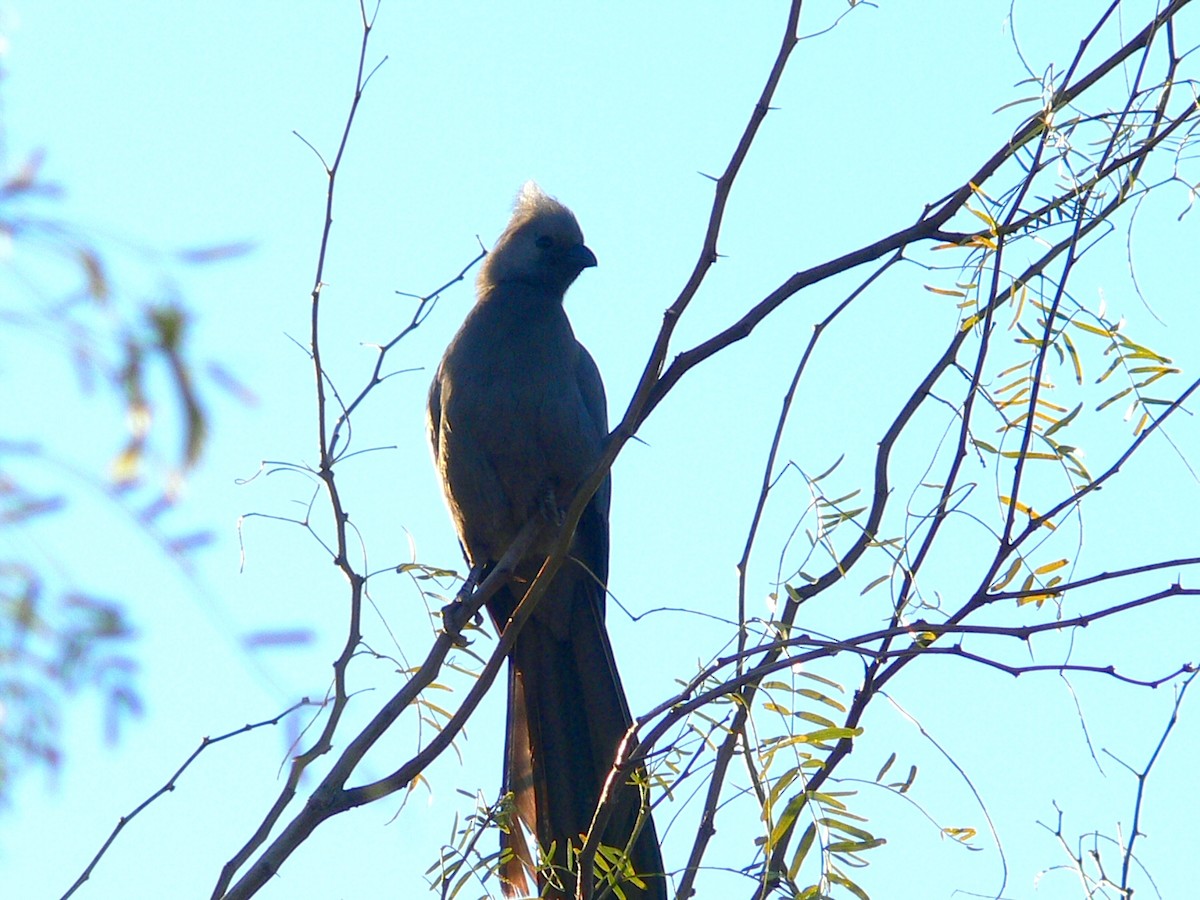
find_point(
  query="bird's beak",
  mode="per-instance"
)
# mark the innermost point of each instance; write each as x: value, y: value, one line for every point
x: 582, y: 256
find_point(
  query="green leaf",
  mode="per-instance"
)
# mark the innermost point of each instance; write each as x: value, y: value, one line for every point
x: 828, y: 800
x: 1012, y: 103
x: 838, y: 878
x: 874, y: 584
x: 786, y: 820
x: 806, y: 842
x: 1064, y: 421
x: 816, y: 719
x: 777, y: 789
x: 825, y: 681
x: 846, y: 828
x: 837, y: 462
x: 821, y: 698
x: 855, y: 846
x: 822, y: 735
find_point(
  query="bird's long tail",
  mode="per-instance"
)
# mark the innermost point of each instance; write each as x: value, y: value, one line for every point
x: 566, y: 716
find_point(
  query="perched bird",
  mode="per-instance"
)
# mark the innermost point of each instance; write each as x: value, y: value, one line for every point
x: 517, y: 418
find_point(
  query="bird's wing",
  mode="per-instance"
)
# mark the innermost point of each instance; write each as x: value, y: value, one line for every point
x: 591, y: 390
x: 433, y: 413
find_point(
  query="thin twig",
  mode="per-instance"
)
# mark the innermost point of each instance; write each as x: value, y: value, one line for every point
x: 169, y: 786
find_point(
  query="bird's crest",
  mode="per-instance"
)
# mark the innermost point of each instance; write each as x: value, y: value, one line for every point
x: 532, y: 201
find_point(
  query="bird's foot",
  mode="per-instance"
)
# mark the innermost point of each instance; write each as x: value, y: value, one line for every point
x: 454, y: 621
x: 550, y: 510
x: 454, y: 617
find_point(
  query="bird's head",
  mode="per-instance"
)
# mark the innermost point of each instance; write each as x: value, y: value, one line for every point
x: 542, y: 246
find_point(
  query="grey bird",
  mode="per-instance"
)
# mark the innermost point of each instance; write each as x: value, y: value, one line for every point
x: 517, y: 418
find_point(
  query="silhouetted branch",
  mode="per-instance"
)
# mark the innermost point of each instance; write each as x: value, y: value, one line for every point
x: 170, y: 786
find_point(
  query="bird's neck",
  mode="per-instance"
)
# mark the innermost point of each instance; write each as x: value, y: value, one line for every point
x: 525, y: 298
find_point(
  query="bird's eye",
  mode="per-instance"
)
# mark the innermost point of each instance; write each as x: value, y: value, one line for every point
x: 545, y: 242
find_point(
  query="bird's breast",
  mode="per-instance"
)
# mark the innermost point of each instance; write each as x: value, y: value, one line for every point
x: 516, y: 433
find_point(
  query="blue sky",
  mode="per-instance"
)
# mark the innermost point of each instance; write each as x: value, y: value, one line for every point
x: 171, y: 126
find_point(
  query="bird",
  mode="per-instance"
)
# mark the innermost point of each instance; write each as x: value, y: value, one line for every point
x: 517, y: 419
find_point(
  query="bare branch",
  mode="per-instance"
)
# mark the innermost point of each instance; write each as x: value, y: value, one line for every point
x: 169, y: 786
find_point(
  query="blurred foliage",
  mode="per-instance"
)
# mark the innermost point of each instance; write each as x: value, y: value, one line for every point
x: 51, y: 647
x: 129, y: 352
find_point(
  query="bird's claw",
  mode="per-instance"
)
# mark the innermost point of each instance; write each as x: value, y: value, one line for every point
x: 454, y: 620
x: 553, y: 513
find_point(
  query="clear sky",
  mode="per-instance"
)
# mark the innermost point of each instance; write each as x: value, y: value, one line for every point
x: 170, y: 126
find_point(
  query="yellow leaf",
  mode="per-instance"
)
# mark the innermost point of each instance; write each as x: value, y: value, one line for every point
x: 1166, y: 370
x: 978, y: 190
x: 946, y: 292
x: 1010, y: 574
x: 1153, y: 378
x: 125, y: 467
x: 1032, y: 454
x: 1074, y: 354
x: 1113, y: 399
x: 1140, y: 352
x: 1050, y: 567
x: 1092, y: 329
x: 820, y: 698
x: 1038, y: 599
x: 991, y: 223
x: 959, y: 834
x: 816, y: 719
x: 822, y: 680
x: 1013, y: 384
x: 1025, y: 508
x: 1013, y: 401
x: 1020, y: 303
